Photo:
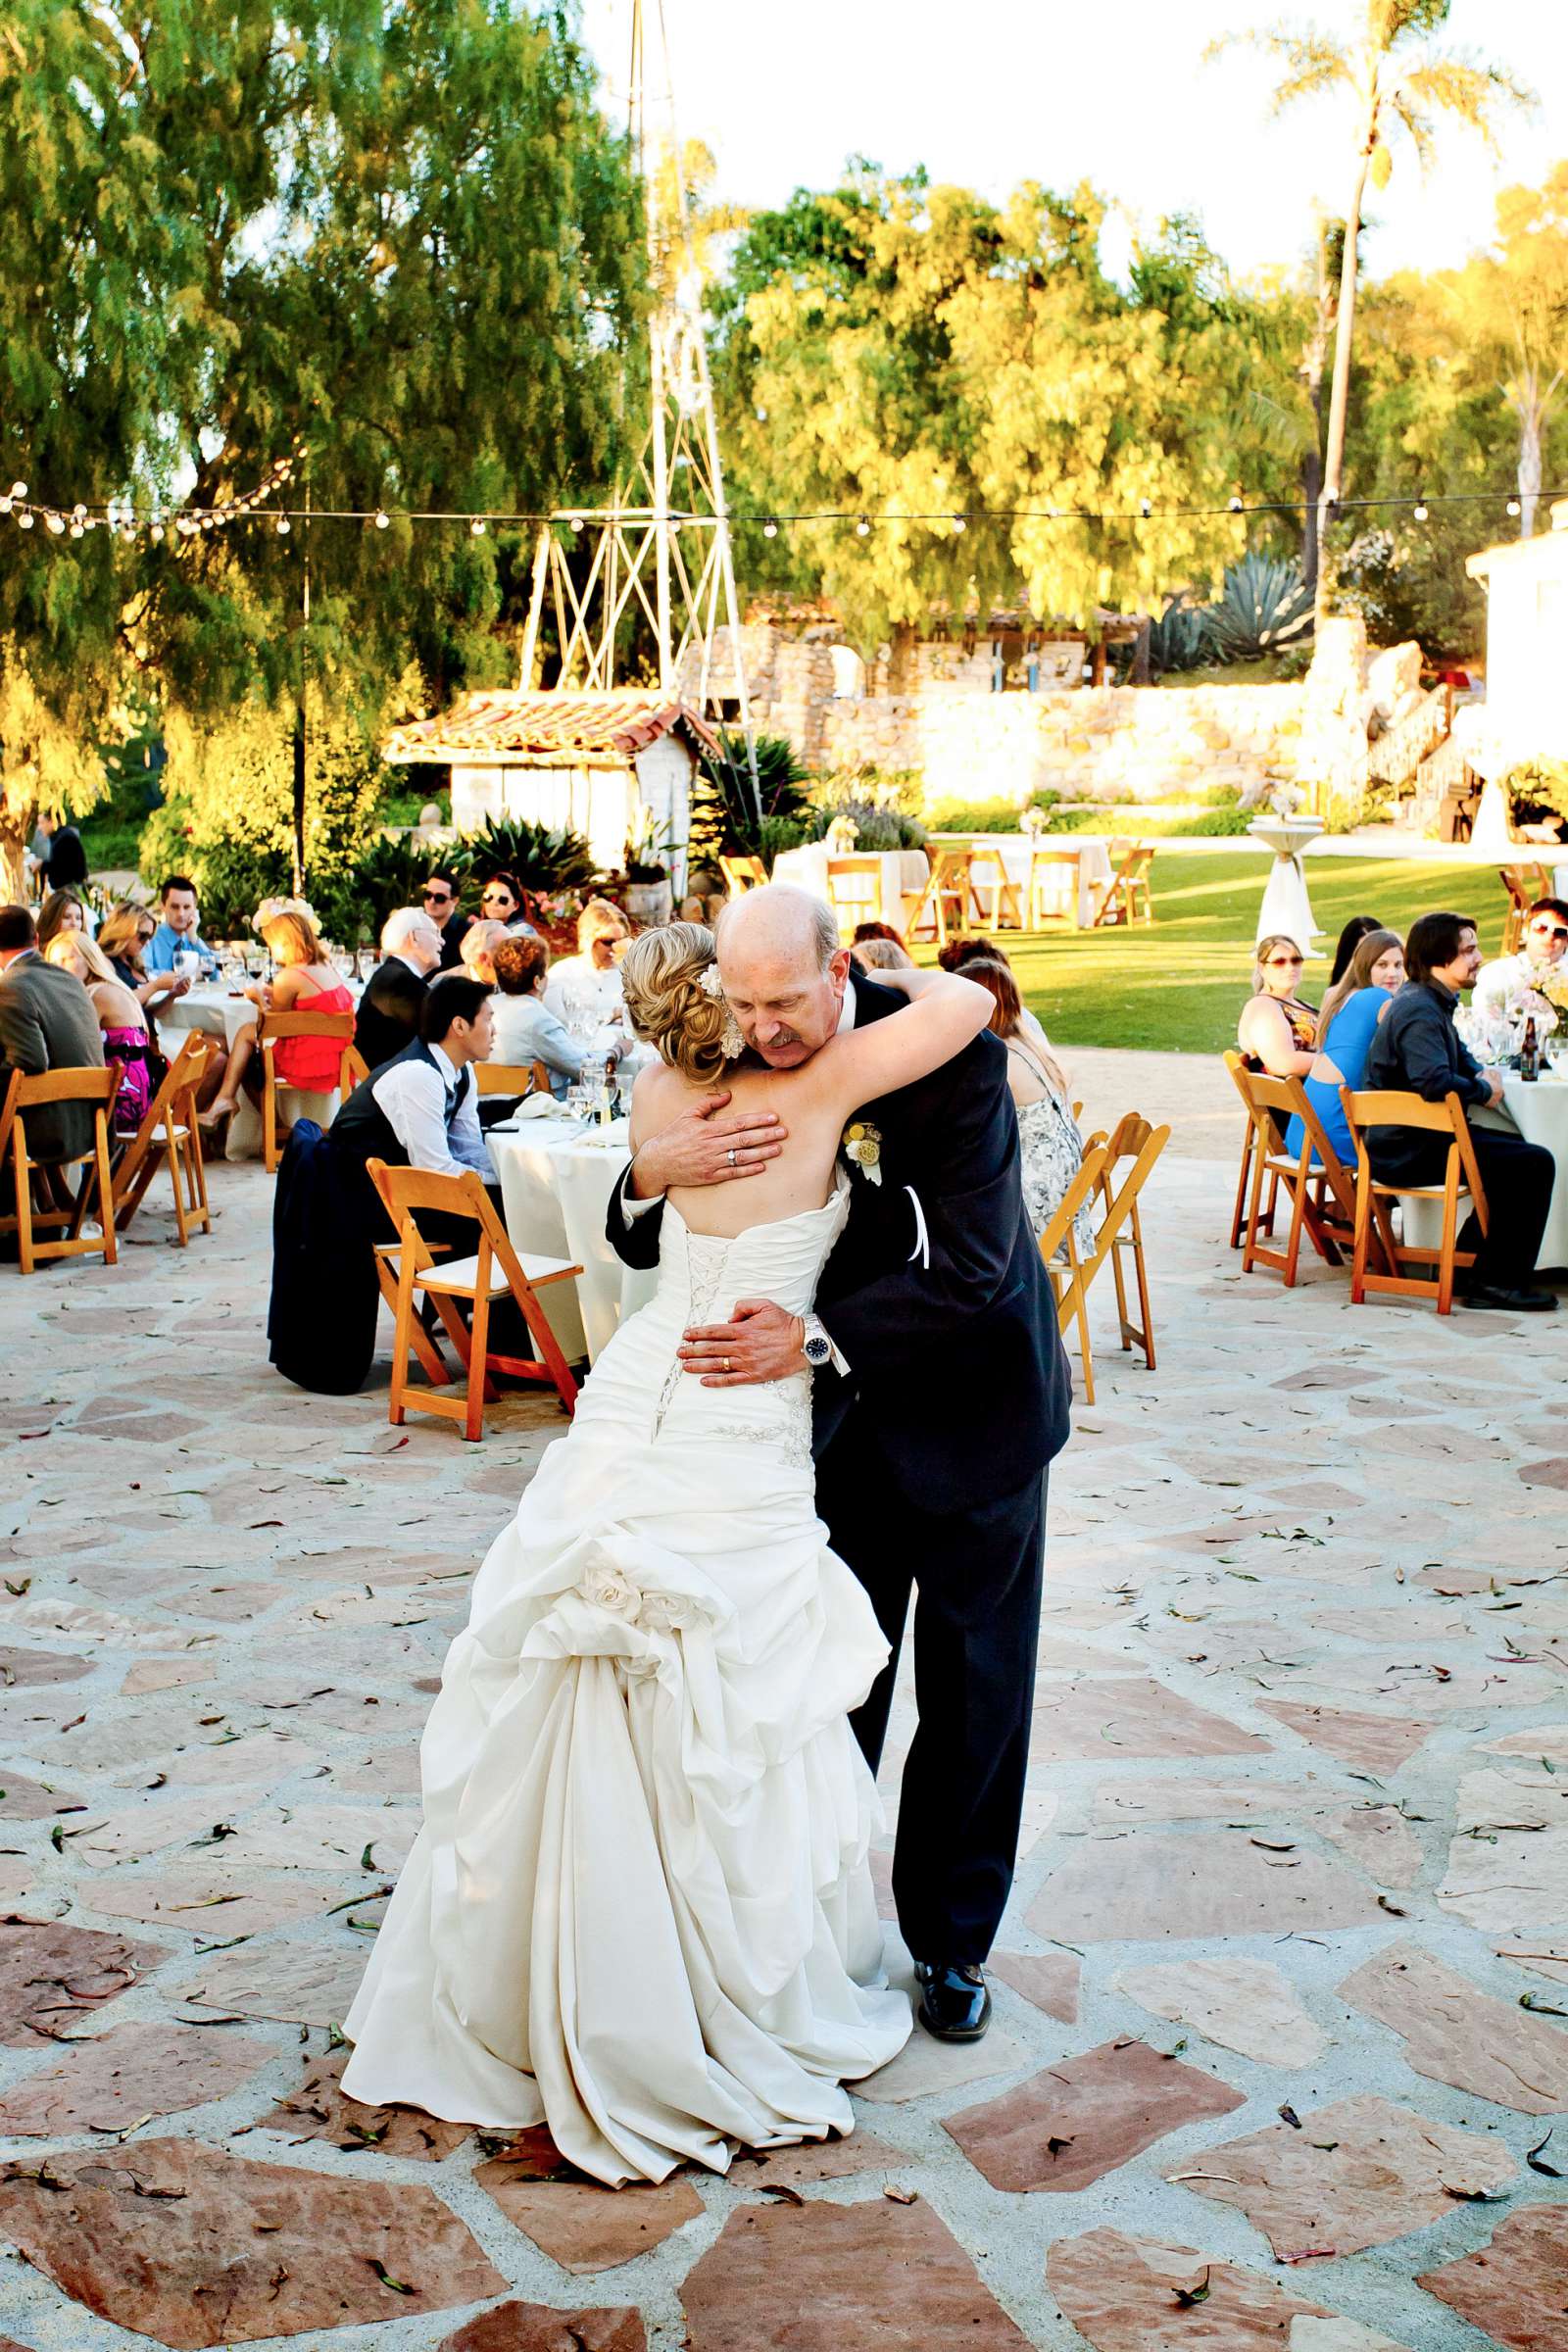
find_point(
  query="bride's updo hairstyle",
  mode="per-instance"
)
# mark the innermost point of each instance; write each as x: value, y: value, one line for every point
x: 662, y: 974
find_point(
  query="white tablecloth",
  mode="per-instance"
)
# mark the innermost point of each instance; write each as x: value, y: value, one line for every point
x: 899, y: 871
x: 1090, y: 850
x: 556, y: 1183
x: 223, y: 1012
x: 1539, y: 1113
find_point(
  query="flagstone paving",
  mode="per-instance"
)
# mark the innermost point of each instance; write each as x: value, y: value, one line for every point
x: 1281, y: 2048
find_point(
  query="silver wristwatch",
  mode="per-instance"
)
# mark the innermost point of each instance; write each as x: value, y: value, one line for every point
x: 815, y: 1346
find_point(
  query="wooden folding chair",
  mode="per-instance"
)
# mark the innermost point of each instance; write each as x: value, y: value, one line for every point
x: 1128, y: 883
x: 1128, y: 1140
x: 512, y: 1078
x: 854, y: 892
x: 742, y: 874
x: 1239, y: 1073
x: 1119, y: 1204
x: 945, y: 899
x: 1461, y: 1185
x: 97, y: 1087
x: 169, y: 1135
x: 275, y: 1025
x: 354, y: 1072
x: 1058, y: 1246
x: 1044, y: 865
x: 988, y: 875
x: 1321, y: 1190
x: 494, y: 1271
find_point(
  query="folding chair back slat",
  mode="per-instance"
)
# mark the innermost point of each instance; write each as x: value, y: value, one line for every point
x: 407, y: 1194
x: 1044, y: 865
x: 96, y: 1086
x: 742, y: 874
x: 946, y: 896
x: 1321, y: 1190
x: 1374, y: 1224
x: 1058, y: 1246
x: 274, y: 1026
x: 1128, y: 883
x: 989, y: 874
x: 1131, y: 1140
x: 511, y: 1077
x: 170, y: 1134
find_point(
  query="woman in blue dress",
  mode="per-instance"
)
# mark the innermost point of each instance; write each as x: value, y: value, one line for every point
x: 1345, y: 1028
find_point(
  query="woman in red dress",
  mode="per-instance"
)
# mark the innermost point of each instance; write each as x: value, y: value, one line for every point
x: 303, y: 982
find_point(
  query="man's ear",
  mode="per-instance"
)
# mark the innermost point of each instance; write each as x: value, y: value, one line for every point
x: 839, y: 969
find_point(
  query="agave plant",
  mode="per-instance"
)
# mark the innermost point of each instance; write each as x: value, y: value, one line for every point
x: 541, y: 857
x: 1265, y: 605
x: 1179, y: 638
x: 726, y: 821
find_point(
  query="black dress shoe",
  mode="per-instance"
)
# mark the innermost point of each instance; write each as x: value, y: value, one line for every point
x: 955, y: 2003
x: 1522, y: 1302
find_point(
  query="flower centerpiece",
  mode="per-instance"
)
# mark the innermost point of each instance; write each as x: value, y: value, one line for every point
x: 1032, y: 822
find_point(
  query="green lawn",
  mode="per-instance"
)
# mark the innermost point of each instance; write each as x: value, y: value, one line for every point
x: 1177, y: 985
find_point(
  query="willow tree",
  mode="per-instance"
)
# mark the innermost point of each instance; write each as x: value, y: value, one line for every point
x: 1396, y: 83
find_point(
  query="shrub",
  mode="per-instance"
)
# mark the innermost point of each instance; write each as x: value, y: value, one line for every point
x: 1266, y: 604
x: 542, y: 857
x: 1538, y: 789
x: 1179, y: 638
x: 1417, y: 589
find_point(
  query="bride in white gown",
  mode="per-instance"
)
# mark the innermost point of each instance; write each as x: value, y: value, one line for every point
x: 640, y: 1907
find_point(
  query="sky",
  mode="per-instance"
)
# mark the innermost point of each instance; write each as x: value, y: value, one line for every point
x: 1113, y: 91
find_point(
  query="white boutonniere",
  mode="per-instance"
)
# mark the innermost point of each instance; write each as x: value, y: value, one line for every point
x: 863, y: 1149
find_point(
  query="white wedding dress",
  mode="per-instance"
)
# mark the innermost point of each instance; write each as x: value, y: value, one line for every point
x: 640, y: 1907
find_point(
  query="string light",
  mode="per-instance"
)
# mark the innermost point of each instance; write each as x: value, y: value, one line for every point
x: 862, y: 529
x: 770, y: 528
x: 1421, y: 509
x: 1147, y: 508
x: 1237, y: 505
x: 477, y: 526
x: 960, y: 522
x: 25, y: 518
x: 1514, y: 507
x: 384, y: 519
x: 284, y: 526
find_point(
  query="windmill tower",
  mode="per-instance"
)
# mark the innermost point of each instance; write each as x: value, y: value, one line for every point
x: 661, y: 549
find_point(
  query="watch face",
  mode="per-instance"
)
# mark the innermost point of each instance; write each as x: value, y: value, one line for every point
x: 817, y: 1352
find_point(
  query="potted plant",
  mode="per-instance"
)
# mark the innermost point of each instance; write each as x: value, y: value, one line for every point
x: 647, y: 896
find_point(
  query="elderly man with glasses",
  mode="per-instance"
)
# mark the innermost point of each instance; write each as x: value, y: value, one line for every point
x: 441, y: 893
x: 1545, y: 944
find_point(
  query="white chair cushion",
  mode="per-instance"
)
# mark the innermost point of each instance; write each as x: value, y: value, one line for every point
x: 464, y: 1273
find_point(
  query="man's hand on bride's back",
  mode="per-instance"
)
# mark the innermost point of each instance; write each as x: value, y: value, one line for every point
x: 700, y: 1148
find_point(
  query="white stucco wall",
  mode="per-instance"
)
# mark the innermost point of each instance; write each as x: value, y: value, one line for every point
x: 601, y: 803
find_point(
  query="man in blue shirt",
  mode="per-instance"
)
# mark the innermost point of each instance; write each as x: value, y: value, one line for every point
x: 179, y: 932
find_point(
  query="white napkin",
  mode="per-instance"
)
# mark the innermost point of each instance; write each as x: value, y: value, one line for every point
x: 540, y: 1106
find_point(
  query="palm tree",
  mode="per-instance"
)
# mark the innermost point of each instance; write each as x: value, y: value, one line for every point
x: 1398, y: 81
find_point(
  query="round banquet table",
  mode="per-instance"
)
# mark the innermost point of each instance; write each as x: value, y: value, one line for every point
x: 1091, y: 850
x: 555, y: 1181
x: 1538, y: 1111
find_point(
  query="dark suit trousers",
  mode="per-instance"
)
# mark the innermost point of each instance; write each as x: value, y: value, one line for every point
x: 977, y: 1575
x: 1517, y: 1178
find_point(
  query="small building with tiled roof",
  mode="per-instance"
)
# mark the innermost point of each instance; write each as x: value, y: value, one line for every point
x: 615, y: 768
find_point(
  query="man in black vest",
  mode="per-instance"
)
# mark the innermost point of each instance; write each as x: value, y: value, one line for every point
x: 940, y: 1395
x: 420, y: 1109
x: 388, y: 1015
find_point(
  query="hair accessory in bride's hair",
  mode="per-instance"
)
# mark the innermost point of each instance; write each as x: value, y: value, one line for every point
x: 732, y: 1042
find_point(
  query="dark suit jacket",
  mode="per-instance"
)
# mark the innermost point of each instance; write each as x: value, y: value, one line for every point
x: 66, y: 865
x: 47, y: 1022
x: 1416, y: 1048
x: 455, y: 932
x: 957, y: 1379
x: 388, y: 1017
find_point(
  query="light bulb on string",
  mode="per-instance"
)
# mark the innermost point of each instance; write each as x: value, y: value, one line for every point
x: 4, y: 506
x: 960, y: 522
x: 77, y: 529
x: 79, y: 513
x: 770, y: 528
x: 1421, y: 511
x: 19, y: 491
x: 477, y: 526
x: 1237, y: 504
x: 1146, y: 508
x: 862, y: 529
x: 25, y: 518
x: 576, y: 522
x: 284, y: 526
x: 56, y: 522
x: 1514, y: 507
x: 384, y: 519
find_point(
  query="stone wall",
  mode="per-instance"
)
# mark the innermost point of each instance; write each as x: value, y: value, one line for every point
x: 1116, y: 743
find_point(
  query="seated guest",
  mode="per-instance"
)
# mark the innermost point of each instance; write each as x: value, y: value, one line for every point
x: 442, y: 892
x: 1417, y: 1049
x: 62, y: 911
x: 479, y: 943
x: 1351, y: 1011
x: 1277, y: 1031
x: 179, y: 932
x: 500, y: 901
x: 302, y: 982
x: 866, y: 931
x: 127, y: 1045
x: 1545, y: 942
x: 123, y: 934
x: 64, y: 863
x: 388, y: 1017
x: 47, y: 1022
x: 421, y: 1111
x: 1351, y: 938
x: 525, y: 1028
x: 585, y: 990
x: 881, y: 955
x: 957, y: 954
x: 1053, y: 1150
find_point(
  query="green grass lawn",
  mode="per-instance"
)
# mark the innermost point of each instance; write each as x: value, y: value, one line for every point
x: 1177, y: 985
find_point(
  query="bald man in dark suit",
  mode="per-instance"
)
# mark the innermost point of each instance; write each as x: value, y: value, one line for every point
x: 47, y: 1022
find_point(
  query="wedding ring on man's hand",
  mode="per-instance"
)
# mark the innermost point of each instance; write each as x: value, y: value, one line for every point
x: 728, y: 1366
x: 730, y: 1155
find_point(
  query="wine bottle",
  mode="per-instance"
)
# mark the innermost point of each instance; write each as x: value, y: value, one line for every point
x: 1530, y: 1054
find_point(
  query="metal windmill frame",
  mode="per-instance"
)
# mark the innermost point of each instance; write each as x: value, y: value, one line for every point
x: 663, y: 547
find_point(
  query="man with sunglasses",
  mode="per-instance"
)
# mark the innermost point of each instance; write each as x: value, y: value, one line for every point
x: 441, y: 892
x: 1545, y: 942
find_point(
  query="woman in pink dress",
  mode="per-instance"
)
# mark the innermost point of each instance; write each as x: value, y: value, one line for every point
x: 303, y: 982
x: 127, y: 1044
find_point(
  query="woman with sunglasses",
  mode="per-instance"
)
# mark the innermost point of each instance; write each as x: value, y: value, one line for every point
x: 500, y: 901
x: 1545, y: 942
x: 123, y: 934
x: 1277, y: 1031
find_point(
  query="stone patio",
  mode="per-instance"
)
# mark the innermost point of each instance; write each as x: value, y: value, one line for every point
x: 1281, y: 2048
